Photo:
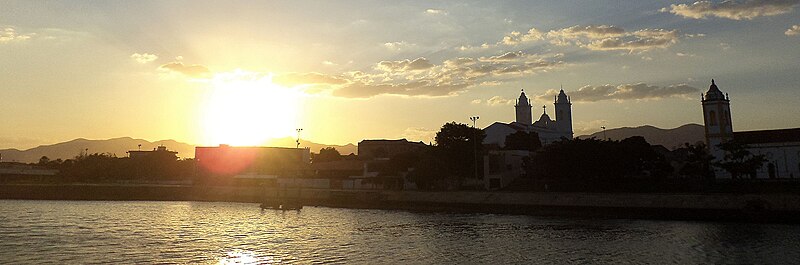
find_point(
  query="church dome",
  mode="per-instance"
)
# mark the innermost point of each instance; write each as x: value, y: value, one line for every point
x: 545, y: 118
x: 714, y: 93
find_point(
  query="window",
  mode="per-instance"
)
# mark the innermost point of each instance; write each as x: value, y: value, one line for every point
x: 712, y: 117
x: 724, y: 118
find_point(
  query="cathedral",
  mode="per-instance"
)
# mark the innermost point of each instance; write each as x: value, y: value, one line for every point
x: 549, y: 130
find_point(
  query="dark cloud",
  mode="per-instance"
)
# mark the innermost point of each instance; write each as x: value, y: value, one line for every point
x: 623, y: 92
x: 193, y: 70
x: 736, y: 10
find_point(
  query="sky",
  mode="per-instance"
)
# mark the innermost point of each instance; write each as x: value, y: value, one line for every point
x: 242, y: 72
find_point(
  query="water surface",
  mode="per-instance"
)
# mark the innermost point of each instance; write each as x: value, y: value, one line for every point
x: 84, y: 232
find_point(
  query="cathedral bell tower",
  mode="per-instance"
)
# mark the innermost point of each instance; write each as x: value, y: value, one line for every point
x: 717, y: 119
x: 563, y: 113
x: 523, y: 108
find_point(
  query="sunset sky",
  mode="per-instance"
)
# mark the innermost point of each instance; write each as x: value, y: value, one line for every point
x: 240, y: 72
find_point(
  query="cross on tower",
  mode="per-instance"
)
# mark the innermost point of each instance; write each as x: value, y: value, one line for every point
x: 544, y: 108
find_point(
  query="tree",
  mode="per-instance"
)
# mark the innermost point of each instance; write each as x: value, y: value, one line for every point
x: 698, y: 161
x: 327, y: 154
x: 44, y: 160
x: 521, y: 140
x: 460, y: 146
x: 738, y: 161
x: 592, y: 161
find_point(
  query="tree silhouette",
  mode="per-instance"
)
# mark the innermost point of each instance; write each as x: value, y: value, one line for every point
x: 327, y: 154
x: 738, y: 161
x: 698, y: 161
x: 459, y: 145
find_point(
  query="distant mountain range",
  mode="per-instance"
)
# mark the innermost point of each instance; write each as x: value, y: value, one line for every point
x: 119, y: 147
x: 669, y: 138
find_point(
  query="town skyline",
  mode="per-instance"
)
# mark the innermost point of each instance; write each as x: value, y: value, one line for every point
x: 195, y: 74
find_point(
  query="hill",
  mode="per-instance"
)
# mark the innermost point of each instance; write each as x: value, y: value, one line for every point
x: 315, y: 147
x: 119, y: 147
x: 670, y: 138
x: 70, y: 149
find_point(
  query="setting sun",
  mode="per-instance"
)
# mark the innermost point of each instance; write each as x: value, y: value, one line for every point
x: 248, y: 109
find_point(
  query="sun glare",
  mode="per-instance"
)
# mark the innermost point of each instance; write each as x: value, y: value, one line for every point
x: 247, y: 109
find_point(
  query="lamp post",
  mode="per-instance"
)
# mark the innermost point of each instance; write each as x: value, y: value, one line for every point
x: 604, y: 132
x: 298, y: 136
x: 474, y: 120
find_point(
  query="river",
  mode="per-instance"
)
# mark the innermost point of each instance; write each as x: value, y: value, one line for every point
x: 144, y: 232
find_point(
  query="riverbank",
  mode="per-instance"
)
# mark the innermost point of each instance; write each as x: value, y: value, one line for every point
x: 782, y: 208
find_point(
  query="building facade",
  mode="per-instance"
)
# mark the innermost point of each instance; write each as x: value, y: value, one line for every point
x: 549, y: 130
x: 781, y: 148
x: 384, y: 149
x: 227, y: 164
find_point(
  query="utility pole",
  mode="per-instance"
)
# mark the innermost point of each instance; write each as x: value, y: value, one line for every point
x: 474, y: 120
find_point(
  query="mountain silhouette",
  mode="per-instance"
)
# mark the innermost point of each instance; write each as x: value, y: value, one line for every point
x: 669, y: 138
x: 119, y: 147
x: 315, y: 147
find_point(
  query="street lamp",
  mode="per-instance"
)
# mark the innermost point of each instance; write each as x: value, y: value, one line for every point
x: 298, y: 136
x: 604, y: 132
x: 474, y: 120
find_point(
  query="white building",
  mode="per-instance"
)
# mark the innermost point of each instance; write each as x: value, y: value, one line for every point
x: 781, y: 147
x: 549, y: 130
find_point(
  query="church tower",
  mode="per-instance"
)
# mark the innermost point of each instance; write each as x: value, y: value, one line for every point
x: 717, y: 119
x: 563, y: 113
x: 523, y: 108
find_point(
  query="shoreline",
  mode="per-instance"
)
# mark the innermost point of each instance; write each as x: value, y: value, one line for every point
x: 759, y: 208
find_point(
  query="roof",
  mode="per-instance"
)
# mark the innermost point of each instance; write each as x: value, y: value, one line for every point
x: 389, y: 141
x: 513, y: 125
x: 714, y: 93
x: 768, y: 136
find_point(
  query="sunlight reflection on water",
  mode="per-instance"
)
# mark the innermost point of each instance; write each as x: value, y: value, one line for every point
x: 81, y: 232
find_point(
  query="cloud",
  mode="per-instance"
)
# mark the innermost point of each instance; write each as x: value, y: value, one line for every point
x: 641, y: 40
x: 591, y: 32
x: 143, y: 58
x: 405, y: 65
x: 730, y: 9
x: 499, y: 101
x: 435, y: 11
x: 10, y: 34
x: 194, y: 70
x: 398, y: 46
x: 421, y: 77
x: 467, y: 48
x: 476, y: 101
x: 601, y: 38
x: 296, y: 79
x: 515, y: 37
x: 419, y: 134
x: 639, y: 91
x: 793, y: 31
x: 415, y: 88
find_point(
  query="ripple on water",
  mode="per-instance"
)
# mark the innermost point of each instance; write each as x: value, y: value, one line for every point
x: 238, y: 233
